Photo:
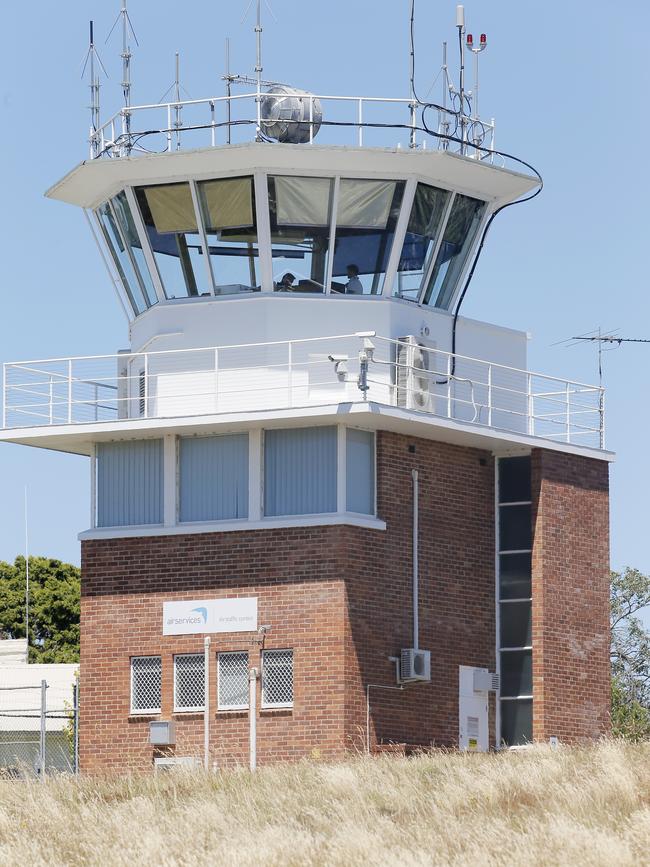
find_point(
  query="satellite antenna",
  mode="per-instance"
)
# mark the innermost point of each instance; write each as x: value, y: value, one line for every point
x: 127, y: 28
x: 91, y: 57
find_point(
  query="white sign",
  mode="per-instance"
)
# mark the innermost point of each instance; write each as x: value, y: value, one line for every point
x: 210, y: 615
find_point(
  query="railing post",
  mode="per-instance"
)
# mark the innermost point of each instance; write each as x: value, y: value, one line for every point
x: 4, y: 394
x: 216, y: 380
x: 360, y: 121
x: 531, y: 407
x: 290, y: 372
x: 311, y: 120
x: 169, y: 128
x: 75, y: 725
x: 212, y: 124
x: 568, y: 413
x: 449, y: 386
x: 413, y: 142
x: 51, y: 397
x: 96, y: 401
x: 601, y: 413
x: 489, y: 395
x: 146, y: 385
x: 69, y: 391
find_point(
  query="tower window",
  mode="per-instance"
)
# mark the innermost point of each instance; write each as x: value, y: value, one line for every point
x: 360, y: 471
x: 300, y: 469
x: 277, y: 678
x: 232, y: 681
x: 189, y: 682
x: 146, y: 684
x: 213, y: 478
x: 422, y: 233
x: 130, y: 483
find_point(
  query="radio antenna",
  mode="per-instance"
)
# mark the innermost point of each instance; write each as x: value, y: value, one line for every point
x: 126, y: 55
x: 89, y: 61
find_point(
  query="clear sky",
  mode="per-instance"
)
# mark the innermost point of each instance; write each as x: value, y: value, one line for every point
x: 566, y: 82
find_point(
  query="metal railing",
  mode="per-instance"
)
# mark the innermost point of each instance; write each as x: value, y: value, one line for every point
x: 275, y: 376
x: 346, y: 120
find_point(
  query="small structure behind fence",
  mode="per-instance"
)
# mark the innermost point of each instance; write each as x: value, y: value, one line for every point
x: 38, y: 721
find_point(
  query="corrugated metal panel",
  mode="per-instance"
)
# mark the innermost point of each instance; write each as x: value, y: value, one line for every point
x: 214, y: 478
x: 360, y: 471
x: 130, y: 483
x: 300, y: 471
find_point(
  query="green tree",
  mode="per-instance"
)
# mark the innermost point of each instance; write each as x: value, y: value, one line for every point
x: 630, y: 655
x: 54, y: 590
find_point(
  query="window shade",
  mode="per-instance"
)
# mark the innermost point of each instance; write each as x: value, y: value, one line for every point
x: 172, y: 208
x: 300, y: 471
x: 213, y: 478
x: 302, y: 201
x: 130, y: 483
x: 364, y: 204
x: 228, y: 203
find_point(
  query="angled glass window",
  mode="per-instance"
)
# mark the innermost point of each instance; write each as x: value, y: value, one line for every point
x: 228, y: 211
x: 300, y: 212
x: 122, y: 260
x: 460, y: 232
x: 169, y: 217
x: 420, y: 241
x: 130, y: 234
x: 366, y: 219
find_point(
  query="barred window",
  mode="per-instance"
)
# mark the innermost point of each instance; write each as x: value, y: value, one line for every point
x: 233, y: 681
x: 189, y: 682
x: 277, y: 678
x: 146, y: 684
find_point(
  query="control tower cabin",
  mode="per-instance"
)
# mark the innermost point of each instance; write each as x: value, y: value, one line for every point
x: 327, y: 513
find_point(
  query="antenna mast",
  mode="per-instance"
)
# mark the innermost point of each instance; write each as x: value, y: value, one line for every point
x: 92, y: 55
x: 126, y: 55
x: 258, y: 67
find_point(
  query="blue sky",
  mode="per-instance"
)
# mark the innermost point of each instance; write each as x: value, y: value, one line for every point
x: 566, y: 83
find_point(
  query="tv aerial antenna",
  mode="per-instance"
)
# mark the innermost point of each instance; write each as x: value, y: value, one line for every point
x: 604, y: 339
x: 176, y: 87
x: 94, y: 63
x: 126, y: 55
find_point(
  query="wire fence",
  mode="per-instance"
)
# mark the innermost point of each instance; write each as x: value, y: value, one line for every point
x: 39, y: 730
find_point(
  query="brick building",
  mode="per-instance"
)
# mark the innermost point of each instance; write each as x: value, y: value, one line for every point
x: 315, y: 487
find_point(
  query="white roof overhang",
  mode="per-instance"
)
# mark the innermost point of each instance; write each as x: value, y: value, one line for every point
x: 93, y: 182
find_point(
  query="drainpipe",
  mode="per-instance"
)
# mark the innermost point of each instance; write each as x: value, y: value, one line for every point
x: 252, y: 717
x: 206, y: 705
x: 416, y: 623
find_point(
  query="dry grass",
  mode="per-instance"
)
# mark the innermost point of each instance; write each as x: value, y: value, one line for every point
x: 536, y: 807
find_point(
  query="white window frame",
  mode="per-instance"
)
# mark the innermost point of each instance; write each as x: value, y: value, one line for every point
x: 220, y: 656
x: 194, y: 708
x: 150, y: 710
x: 267, y: 705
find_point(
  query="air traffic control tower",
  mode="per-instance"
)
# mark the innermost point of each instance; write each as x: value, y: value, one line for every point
x: 327, y: 512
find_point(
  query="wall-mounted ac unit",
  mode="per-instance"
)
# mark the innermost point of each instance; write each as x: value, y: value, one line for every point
x: 485, y: 681
x: 415, y: 665
x: 162, y: 733
x: 170, y: 763
x: 412, y: 379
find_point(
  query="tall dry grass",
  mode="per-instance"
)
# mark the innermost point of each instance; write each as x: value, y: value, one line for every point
x: 536, y: 807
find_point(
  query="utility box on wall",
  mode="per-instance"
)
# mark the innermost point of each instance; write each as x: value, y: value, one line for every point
x: 162, y: 734
x: 473, y: 732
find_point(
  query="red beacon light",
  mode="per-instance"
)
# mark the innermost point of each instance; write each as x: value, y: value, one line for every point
x: 483, y: 40
x: 470, y: 40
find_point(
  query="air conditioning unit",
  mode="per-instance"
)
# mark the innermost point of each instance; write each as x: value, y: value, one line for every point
x: 171, y: 763
x: 162, y: 733
x: 412, y: 380
x: 415, y: 665
x: 485, y: 681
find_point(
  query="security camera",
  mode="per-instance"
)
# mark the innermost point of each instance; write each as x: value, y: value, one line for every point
x: 337, y: 359
x: 264, y: 630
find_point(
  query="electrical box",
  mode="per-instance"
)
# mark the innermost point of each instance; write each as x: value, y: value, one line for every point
x: 162, y: 734
x: 415, y: 665
x: 473, y: 733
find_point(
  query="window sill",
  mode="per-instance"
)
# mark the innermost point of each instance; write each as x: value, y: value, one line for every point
x: 282, y: 709
x: 352, y: 519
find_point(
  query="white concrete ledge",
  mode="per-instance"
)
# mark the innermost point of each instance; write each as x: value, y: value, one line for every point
x: 349, y: 518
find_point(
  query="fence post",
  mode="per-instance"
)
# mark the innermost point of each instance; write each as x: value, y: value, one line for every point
x: 41, y: 745
x: 75, y: 725
x: 206, y: 703
x: 69, y: 391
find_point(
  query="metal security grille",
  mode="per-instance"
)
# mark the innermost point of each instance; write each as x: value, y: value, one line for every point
x: 277, y: 678
x: 189, y: 682
x: 146, y: 684
x: 233, y: 681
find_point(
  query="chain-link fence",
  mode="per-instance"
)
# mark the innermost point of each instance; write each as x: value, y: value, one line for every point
x: 38, y: 730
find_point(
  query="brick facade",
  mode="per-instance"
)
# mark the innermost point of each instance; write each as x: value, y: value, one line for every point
x: 340, y: 596
x: 571, y: 685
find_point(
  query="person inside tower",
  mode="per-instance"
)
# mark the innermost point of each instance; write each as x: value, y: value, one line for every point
x: 354, y: 285
x: 286, y: 283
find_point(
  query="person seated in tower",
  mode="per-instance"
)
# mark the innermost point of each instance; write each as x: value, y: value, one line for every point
x: 354, y: 286
x: 286, y: 283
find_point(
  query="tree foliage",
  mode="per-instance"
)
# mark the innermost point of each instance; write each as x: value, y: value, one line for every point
x: 630, y: 655
x: 54, y: 590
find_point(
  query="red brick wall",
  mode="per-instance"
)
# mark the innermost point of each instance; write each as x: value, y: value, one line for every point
x: 340, y: 596
x: 570, y: 597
